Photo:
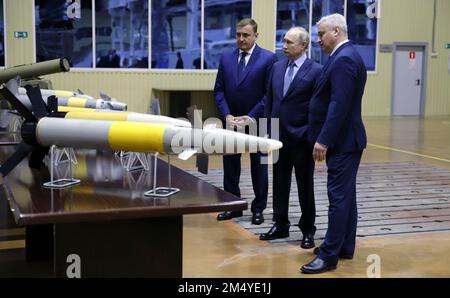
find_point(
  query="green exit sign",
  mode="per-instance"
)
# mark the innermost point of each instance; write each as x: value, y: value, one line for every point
x: 447, y: 46
x: 21, y: 34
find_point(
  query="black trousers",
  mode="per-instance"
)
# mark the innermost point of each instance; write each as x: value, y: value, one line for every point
x: 295, y: 154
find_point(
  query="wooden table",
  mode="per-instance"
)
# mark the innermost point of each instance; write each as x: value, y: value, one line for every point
x: 106, y: 221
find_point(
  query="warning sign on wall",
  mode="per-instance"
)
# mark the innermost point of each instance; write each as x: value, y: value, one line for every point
x: 412, y: 60
x: 412, y: 55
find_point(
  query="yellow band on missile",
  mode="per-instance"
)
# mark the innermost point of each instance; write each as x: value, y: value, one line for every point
x: 63, y: 93
x: 113, y: 116
x: 137, y: 136
x: 76, y: 102
x: 74, y: 109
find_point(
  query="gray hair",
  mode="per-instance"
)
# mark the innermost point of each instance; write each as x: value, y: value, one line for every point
x: 301, y: 34
x: 333, y: 21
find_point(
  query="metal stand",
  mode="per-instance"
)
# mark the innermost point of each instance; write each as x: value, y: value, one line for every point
x: 69, y: 153
x: 161, y: 191
x: 136, y: 182
x: 133, y: 161
x: 55, y: 159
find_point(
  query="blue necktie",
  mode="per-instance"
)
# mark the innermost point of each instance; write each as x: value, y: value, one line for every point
x: 288, y: 77
x: 241, y: 65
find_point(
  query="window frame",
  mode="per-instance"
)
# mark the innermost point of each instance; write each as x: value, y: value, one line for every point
x: 4, y: 36
x: 94, y: 68
x: 369, y: 72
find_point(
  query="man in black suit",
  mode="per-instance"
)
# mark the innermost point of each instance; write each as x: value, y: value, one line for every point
x: 337, y: 131
x: 288, y: 100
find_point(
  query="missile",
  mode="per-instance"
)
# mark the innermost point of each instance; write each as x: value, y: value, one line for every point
x: 146, y: 137
x: 71, y: 99
x: 43, y: 128
x: 80, y: 113
x: 35, y: 69
x: 66, y: 98
x: 57, y: 93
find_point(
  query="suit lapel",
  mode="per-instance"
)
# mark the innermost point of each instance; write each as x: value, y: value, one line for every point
x: 234, y: 64
x: 250, y: 64
x: 300, y: 74
x: 281, y: 71
x: 325, y: 68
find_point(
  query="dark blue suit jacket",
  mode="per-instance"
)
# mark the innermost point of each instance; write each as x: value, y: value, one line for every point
x: 246, y: 97
x: 292, y: 109
x: 335, y: 109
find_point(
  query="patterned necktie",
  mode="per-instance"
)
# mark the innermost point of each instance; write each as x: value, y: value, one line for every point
x: 241, y: 65
x: 288, y: 77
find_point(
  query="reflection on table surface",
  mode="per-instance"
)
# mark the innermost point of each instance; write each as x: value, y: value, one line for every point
x: 106, y: 190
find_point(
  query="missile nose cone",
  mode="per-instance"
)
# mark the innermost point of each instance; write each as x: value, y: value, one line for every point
x: 274, y: 144
x: 265, y: 145
x: 119, y: 106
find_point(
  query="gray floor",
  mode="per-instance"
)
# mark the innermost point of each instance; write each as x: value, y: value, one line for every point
x: 393, y: 198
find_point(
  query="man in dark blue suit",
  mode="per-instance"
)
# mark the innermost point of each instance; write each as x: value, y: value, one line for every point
x: 338, y: 134
x: 288, y: 100
x: 240, y: 92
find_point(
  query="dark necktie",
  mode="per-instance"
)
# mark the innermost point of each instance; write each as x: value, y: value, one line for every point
x: 241, y: 65
x: 288, y: 77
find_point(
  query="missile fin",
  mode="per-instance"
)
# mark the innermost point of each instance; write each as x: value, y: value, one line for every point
x: 186, y: 154
x: 22, y: 151
x: 105, y: 96
x: 17, y: 104
x: 13, y: 85
x: 37, y: 103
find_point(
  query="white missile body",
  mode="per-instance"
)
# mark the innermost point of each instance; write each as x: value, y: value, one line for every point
x: 147, y: 137
x: 70, y: 99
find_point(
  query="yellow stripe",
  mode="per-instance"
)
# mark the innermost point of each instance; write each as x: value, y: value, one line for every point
x: 73, y: 109
x: 409, y: 152
x: 76, y: 102
x: 137, y: 136
x: 92, y: 115
x: 63, y: 93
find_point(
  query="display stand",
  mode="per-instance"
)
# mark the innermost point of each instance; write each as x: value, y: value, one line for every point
x: 56, y: 155
x: 162, y: 191
x: 133, y: 161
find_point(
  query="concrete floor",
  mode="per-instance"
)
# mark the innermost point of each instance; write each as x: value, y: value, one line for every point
x: 225, y: 249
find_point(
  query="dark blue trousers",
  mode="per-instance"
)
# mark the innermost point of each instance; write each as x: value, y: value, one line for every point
x: 295, y: 154
x: 340, y: 237
x: 260, y: 180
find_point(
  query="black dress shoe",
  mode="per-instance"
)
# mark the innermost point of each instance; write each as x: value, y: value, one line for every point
x: 318, y: 266
x: 257, y: 218
x: 341, y: 256
x: 229, y: 215
x: 307, y: 241
x: 274, y: 233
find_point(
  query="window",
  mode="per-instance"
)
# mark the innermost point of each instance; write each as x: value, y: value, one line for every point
x: 362, y: 30
x: 361, y: 21
x: 176, y: 33
x: 2, y: 36
x: 221, y: 18
x: 64, y: 29
x: 121, y: 33
x: 322, y: 8
x: 290, y: 14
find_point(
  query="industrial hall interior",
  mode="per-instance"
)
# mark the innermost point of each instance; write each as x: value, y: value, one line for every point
x: 225, y: 138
